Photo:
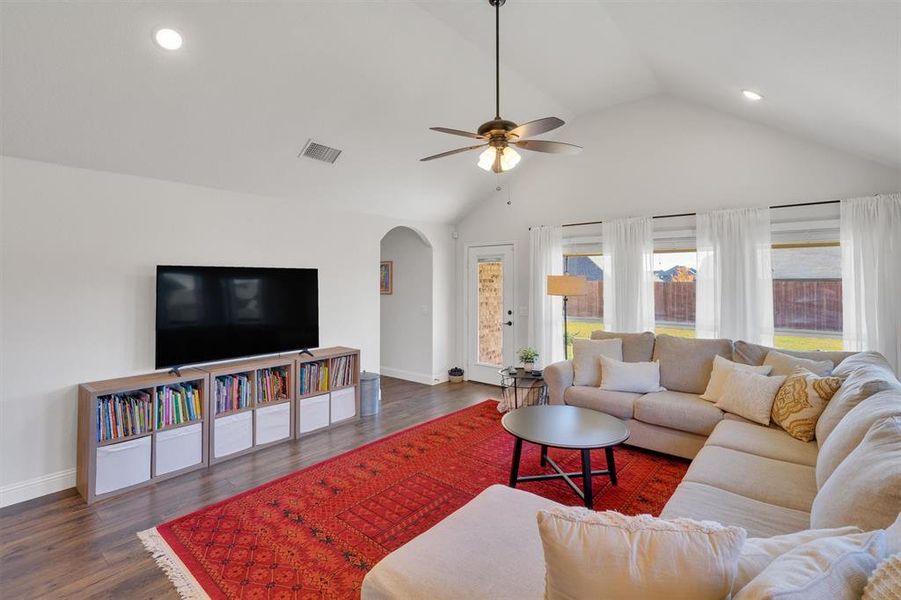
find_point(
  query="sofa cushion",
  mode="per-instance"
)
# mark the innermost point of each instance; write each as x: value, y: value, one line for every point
x: 750, y: 395
x: 701, y: 501
x: 432, y: 565
x: 765, y: 479
x: 617, y: 404
x: 801, y: 400
x: 755, y: 354
x: 851, y: 430
x: 860, y: 385
x: 678, y: 410
x: 586, y: 367
x: 865, y: 489
x: 763, y: 441
x: 637, y: 377
x: 686, y: 363
x: 637, y: 347
x: 785, y: 364
x: 832, y: 567
x: 758, y: 553
x: 864, y: 359
x: 590, y: 554
x: 722, y: 369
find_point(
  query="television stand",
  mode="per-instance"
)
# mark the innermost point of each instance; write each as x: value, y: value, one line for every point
x: 305, y: 351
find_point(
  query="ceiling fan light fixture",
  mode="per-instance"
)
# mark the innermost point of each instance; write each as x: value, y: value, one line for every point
x: 486, y: 158
x: 499, y: 160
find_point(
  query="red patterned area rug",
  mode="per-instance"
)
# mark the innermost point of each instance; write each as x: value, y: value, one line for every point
x: 315, y: 533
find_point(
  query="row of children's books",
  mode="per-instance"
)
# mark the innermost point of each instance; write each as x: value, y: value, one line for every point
x: 232, y: 393
x: 272, y: 384
x: 342, y: 371
x: 177, y: 404
x: 123, y: 415
x: 313, y: 377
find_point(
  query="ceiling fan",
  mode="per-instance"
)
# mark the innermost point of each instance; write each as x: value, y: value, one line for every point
x: 500, y: 135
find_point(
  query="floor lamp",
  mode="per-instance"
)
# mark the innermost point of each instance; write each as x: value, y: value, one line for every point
x: 566, y: 286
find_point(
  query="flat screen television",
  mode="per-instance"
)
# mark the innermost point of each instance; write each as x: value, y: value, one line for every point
x: 204, y: 314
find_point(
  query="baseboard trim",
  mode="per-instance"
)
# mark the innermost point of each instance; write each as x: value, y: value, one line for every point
x: 413, y: 376
x: 37, y: 487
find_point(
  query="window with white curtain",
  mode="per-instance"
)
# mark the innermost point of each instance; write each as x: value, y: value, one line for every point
x: 806, y: 259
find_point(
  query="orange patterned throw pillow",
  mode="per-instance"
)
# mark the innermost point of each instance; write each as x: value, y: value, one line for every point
x: 801, y: 400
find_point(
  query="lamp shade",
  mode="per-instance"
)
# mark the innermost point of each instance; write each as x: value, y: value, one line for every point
x: 566, y: 285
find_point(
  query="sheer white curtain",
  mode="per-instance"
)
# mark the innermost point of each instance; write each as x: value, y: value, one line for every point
x: 545, y: 312
x: 871, y: 275
x: 628, y: 275
x: 734, y: 289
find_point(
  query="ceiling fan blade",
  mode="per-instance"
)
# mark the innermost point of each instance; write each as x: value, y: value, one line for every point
x: 449, y: 152
x: 537, y: 127
x: 458, y: 132
x: 547, y: 146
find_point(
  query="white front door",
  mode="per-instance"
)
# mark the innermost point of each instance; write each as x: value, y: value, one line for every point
x: 489, y: 312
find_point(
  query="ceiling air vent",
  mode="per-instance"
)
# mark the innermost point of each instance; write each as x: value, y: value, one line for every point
x: 320, y: 152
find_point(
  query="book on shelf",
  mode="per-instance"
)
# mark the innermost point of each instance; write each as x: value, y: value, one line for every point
x: 314, y: 377
x: 342, y: 371
x: 232, y: 392
x: 272, y: 384
x: 178, y: 403
x: 123, y: 415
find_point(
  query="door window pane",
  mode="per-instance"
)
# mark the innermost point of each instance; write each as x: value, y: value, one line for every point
x: 807, y: 297
x: 674, y: 292
x: 585, y: 313
x: 491, y: 309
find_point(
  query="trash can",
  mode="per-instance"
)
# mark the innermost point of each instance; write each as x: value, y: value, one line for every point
x: 370, y: 394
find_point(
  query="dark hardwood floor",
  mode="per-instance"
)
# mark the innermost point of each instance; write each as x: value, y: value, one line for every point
x: 58, y: 547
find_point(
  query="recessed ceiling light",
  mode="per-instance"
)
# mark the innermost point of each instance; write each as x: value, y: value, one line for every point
x: 168, y: 39
x: 752, y: 95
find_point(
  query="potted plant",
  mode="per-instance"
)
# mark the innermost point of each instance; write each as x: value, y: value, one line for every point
x: 527, y: 356
x: 455, y: 375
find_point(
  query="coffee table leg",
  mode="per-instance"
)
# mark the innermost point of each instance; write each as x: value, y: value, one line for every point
x: 514, y: 468
x: 611, y: 466
x: 586, y: 478
x: 544, y: 456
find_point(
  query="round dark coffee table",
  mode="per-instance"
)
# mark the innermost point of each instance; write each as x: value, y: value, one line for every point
x: 569, y: 427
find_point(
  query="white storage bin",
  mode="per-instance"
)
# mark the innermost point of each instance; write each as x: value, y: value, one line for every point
x: 313, y: 413
x: 273, y: 423
x: 179, y: 448
x: 121, y: 465
x: 344, y: 404
x: 232, y: 434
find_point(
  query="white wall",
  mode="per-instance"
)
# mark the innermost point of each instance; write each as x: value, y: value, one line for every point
x: 652, y: 157
x: 79, y: 249
x: 406, y: 313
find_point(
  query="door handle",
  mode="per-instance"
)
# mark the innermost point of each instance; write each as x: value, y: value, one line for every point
x: 507, y: 323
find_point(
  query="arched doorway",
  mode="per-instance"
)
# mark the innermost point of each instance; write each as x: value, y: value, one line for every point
x: 406, y: 308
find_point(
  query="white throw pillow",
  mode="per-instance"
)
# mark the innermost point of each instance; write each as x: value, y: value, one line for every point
x: 750, y: 395
x: 758, y: 553
x: 834, y: 567
x: 586, y: 368
x: 722, y: 368
x: 591, y: 554
x: 784, y: 364
x: 637, y: 377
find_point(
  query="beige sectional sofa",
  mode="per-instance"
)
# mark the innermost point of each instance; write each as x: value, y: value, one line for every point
x: 743, y: 474
x: 676, y: 421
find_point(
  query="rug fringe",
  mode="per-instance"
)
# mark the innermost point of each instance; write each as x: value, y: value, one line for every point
x: 187, y: 587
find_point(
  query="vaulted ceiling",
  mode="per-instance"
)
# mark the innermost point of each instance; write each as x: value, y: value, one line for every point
x: 83, y: 85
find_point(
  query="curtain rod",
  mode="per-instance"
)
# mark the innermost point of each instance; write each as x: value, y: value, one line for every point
x: 691, y: 214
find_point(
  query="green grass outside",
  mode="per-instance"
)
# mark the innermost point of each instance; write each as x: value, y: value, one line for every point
x: 582, y: 328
